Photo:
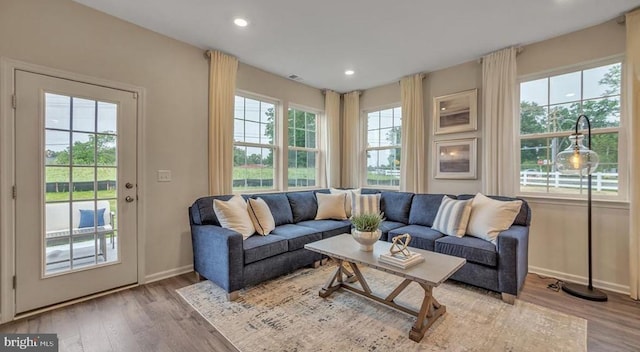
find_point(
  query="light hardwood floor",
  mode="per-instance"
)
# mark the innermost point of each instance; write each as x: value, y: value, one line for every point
x: 154, y: 318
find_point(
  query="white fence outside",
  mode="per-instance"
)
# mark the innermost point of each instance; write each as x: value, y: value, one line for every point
x: 601, y: 181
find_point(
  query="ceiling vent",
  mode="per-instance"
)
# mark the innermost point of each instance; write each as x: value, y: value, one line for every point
x: 295, y: 78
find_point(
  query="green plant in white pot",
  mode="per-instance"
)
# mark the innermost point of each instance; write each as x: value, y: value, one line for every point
x: 366, y: 229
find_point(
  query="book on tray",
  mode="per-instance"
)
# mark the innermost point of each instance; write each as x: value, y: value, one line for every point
x: 400, y: 260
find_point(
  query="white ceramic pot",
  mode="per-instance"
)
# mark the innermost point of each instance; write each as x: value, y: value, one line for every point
x: 366, y: 239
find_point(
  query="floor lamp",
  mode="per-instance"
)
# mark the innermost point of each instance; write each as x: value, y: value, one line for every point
x: 580, y: 160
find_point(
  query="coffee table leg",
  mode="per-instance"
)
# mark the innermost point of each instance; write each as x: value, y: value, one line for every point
x: 330, y: 285
x: 430, y: 311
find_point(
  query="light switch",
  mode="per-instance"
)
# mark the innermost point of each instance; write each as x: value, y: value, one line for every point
x: 164, y: 175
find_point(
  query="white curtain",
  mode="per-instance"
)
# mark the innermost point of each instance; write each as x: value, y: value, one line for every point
x: 222, y: 89
x: 633, y: 110
x: 413, y: 164
x: 499, y: 112
x: 332, y: 138
x: 351, y: 134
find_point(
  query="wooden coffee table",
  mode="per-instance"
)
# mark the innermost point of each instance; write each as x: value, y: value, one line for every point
x: 435, y: 269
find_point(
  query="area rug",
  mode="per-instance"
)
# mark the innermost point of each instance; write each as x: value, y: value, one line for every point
x: 286, y: 314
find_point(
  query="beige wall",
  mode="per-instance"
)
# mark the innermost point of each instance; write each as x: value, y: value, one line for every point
x: 558, y: 231
x: 64, y: 35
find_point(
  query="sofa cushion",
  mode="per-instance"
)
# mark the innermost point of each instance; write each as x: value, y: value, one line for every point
x: 202, y: 210
x: 424, y: 208
x: 396, y: 206
x: 473, y: 249
x: 365, y: 204
x: 349, y: 194
x: 421, y: 236
x: 280, y: 208
x: 261, y: 247
x: 297, y: 236
x: 303, y: 205
x: 387, y: 226
x: 329, y: 228
x: 233, y: 215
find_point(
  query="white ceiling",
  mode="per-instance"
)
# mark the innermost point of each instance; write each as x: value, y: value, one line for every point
x: 382, y: 40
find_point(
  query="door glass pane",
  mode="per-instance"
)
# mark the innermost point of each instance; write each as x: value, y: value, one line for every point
x: 80, y: 183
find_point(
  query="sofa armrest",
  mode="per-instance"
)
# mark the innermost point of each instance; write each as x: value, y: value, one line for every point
x: 513, y: 258
x: 218, y: 255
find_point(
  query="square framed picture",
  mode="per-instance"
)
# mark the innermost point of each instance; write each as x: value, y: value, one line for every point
x: 456, y: 159
x: 455, y: 112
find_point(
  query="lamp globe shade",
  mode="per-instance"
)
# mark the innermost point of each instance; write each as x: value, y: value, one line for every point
x: 577, y: 159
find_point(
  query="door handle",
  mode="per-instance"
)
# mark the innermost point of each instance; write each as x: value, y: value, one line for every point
x: 128, y: 185
x: 128, y: 199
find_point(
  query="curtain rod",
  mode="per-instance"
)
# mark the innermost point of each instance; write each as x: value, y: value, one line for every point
x: 519, y: 50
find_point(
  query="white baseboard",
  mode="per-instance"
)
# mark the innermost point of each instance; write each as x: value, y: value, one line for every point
x: 605, y: 285
x: 168, y: 273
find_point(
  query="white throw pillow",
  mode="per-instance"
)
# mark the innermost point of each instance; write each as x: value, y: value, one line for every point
x: 489, y: 217
x: 453, y: 217
x: 233, y: 215
x: 331, y: 206
x: 348, y: 199
x: 365, y: 204
x: 260, y: 215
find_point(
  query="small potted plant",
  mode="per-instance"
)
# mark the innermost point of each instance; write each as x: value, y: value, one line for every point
x: 366, y: 229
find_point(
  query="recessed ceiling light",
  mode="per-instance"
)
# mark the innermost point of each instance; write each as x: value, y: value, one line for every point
x: 443, y: 109
x: 349, y: 72
x: 240, y: 22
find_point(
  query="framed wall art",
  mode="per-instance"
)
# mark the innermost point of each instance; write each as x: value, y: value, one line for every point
x: 456, y: 112
x: 456, y: 159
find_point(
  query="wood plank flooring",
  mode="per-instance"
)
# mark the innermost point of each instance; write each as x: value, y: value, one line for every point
x: 154, y: 318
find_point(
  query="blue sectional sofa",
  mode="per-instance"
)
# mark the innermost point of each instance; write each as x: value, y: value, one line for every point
x: 222, y: 256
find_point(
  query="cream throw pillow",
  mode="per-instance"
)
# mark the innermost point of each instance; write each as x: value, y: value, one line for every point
x: 233, y: 215
x: 453, y: 217
x: 489, y: 217
x: 348, y: 198
x: 261, y: 217
x: 331, y: 206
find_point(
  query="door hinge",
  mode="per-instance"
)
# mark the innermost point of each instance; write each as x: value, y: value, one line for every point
x: 14, y: 192
x: 135, y: 95
x: 15, y: 282
x: 14, y: 101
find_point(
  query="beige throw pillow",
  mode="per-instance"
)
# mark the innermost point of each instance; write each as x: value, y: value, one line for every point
x: 233, y: 215
x: 489, y: 217
x: 349, y: 194
x: 261, y: 217
x: 331, y: 206
x: 453, y: 217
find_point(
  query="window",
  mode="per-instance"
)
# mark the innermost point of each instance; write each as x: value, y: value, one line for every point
x: 383, y: 147
x: 254, y: 144
x: 549, y: 108
x: 303, y: 148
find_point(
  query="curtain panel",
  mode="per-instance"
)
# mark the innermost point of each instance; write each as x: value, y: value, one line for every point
x: 351, y: 137
x: 632, y: 96
x: 332, y: 138
x: 499, y: 113
x: 222, y: 89
x: 413, y: 163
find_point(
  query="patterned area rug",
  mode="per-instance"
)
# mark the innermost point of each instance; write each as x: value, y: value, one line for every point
x: 286, y: 314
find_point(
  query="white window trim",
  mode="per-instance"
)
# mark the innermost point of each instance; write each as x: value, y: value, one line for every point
x: 277, y: 151
x: 364, y: 118
x: 622, y: 130
x: 318, y: 150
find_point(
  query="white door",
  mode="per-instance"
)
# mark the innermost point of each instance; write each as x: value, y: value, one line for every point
x: 75, y: 160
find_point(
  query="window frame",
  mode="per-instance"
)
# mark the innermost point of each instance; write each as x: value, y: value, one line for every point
x: 365, y: 148
x: 621, y: 130
x: 317, y: 149
x: 275, y: 147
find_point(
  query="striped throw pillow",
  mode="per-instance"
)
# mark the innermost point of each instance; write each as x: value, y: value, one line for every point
x: 453, y: 217
x: 365, y: 204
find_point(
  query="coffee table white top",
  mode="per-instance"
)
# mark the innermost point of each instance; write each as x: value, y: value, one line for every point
x: 433, y: 271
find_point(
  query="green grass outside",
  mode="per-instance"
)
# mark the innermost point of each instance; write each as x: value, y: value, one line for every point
x: 80, y: 174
